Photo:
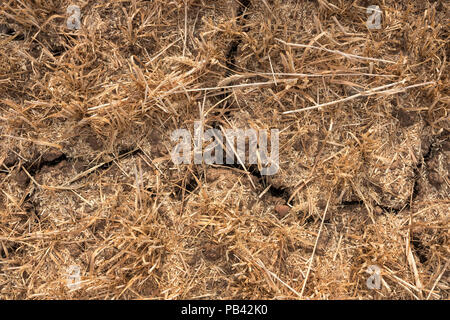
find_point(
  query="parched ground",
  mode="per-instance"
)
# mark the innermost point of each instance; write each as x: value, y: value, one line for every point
x: 87, y: 180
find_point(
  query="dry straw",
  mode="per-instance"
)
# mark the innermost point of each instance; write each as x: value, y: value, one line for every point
x: 86, y: 177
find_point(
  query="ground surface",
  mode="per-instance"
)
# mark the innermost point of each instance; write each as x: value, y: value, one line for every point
x: 86, y: 177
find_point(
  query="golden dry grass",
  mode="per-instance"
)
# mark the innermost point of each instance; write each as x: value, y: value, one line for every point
x: 86, y: 177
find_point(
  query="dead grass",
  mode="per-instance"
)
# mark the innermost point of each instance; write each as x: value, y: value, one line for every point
x: 86, y: 177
